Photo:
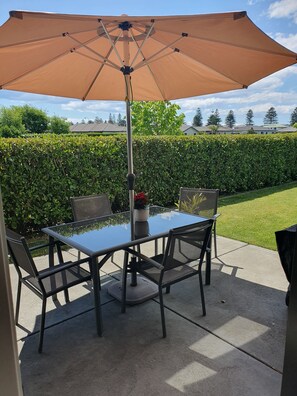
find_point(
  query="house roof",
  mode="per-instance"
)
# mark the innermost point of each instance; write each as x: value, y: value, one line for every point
x: 102, y: 127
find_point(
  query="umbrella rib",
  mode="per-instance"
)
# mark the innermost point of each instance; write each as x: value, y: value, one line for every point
x: 96, y: 60
x: 142, y: 44
x: 202, y: 63
x: 107, y: 61
x: 35, y: 68
x: 111, y: 42
x: 48, y: 38
x: 158, y: 52
x: 150, y: 70
x: 232, y: 45
x: 72, y: 50
x: 98, y: 72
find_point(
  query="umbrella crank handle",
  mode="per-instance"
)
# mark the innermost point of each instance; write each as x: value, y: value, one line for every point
x: 131, y: 181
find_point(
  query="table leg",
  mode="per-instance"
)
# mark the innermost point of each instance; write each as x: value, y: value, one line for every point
x: 97, y: 302
x: 51, y: 262
x: 208, y: 263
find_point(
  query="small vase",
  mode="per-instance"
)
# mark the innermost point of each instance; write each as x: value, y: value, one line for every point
x: 141, y: 214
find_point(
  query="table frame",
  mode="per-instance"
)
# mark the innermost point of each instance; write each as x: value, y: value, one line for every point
x: 107, y: 253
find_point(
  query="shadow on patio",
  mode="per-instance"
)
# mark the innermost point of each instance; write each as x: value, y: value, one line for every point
x: 236, y: 349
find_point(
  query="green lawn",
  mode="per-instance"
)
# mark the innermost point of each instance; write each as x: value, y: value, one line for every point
x: 253, y: 217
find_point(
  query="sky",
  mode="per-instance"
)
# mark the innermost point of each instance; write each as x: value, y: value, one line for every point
x: 278, y: 19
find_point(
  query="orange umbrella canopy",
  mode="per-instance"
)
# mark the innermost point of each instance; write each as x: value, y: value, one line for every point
x: 165, y: 58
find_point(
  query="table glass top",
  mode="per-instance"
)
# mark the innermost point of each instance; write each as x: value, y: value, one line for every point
x: 113, y: 232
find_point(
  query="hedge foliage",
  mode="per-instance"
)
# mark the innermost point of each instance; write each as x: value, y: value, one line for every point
x: 39, y: 175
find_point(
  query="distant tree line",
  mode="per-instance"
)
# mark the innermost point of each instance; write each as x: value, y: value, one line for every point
x: 215, y: 120
x: 20, y: 120
x: 150, y: 118
x: 112, y: 119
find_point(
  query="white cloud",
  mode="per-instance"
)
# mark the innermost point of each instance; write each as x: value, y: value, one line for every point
x: 283, y: 9
x: 289, y: 42
x: 94, y: 107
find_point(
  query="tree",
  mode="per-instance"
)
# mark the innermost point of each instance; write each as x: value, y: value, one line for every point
x: 98, y: 120
x: 110, y: 120
x: 58, y: 125
x: 11, y: 122
x: 156, y: 118
x: 230, y: 119
x: 214, y: 118
x: 214, y: 128
x: 35, y: 120
x: 121, y: 121
x: 249, y: 117
x: 197, y: 120
x: 271, y: 116
x: 294, y: 117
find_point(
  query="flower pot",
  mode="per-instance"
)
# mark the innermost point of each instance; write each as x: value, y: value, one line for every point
x: 141, y: 214
x: 141, y: 229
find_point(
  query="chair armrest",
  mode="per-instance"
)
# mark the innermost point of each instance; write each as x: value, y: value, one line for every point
x: 62, y: 267
x: 32, y: 248
x: 214, y: 217
x: 145, y: 258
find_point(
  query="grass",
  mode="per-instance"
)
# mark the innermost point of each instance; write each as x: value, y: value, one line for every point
x: 254, y: 216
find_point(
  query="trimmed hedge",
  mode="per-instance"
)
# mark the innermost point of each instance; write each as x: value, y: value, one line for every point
x: 38, y: 176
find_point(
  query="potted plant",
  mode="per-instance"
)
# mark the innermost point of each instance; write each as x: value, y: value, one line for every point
x: 141, y: 207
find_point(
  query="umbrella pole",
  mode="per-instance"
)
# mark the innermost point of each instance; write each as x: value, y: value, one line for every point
x: 130, y: 178
x: 139, y: 290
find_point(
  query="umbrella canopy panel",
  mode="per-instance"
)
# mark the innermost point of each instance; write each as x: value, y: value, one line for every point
x: 166, y: 57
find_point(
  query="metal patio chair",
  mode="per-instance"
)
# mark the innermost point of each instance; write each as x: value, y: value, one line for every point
x: 185, y: 245
x: 44, y: 283
x: 203, y: 202
x: 89, y: 207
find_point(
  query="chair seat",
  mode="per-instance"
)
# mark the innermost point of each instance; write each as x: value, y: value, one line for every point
x: 57, y: 282
x: 170, y: 276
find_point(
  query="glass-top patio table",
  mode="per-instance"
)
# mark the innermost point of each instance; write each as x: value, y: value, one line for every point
x: 105, y: 235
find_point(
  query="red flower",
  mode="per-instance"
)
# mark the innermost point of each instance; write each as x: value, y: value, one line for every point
x: 140, y: 200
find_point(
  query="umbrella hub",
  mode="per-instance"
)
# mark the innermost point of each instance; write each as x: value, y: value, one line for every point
x: 125, y: 25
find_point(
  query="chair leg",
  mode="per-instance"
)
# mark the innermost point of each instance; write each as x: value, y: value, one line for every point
x: 202, y: 293
x: 215, y: 240
x: 124, y: 282
x: 162, y: 311
x: 66, y: 295
x: 112, y: 259
x: 156, y: 247
x: 42, y: 325
x: 18, y: 300
x: 167, y: 289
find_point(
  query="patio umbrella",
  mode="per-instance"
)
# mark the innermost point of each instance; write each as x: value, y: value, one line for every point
x: 135, y: 58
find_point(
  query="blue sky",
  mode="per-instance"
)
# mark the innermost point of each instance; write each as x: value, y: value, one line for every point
x: 278, y: 19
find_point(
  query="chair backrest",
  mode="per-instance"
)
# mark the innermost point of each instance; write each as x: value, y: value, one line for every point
x: 20, y: 253
x: 200, y: 201
x: 187, y: 244
x: 90, y: 206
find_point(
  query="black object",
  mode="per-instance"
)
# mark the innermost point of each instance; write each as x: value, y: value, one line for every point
x: 285, y: 241
x: 185, y: 245
x: 44, y: 283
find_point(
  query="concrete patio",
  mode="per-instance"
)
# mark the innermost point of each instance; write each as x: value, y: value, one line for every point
x: 236, y: 349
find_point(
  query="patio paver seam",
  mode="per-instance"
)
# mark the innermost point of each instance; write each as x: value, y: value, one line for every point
x: 220, y: 338
x: 64, y: 320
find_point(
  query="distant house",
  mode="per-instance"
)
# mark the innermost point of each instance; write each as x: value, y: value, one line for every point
x: 103, y: 127
x: 266, y: 129
x: 287, y: 129
x: 189, y: 130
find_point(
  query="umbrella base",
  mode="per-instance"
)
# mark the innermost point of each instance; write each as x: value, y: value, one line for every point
x: 144, y: 291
